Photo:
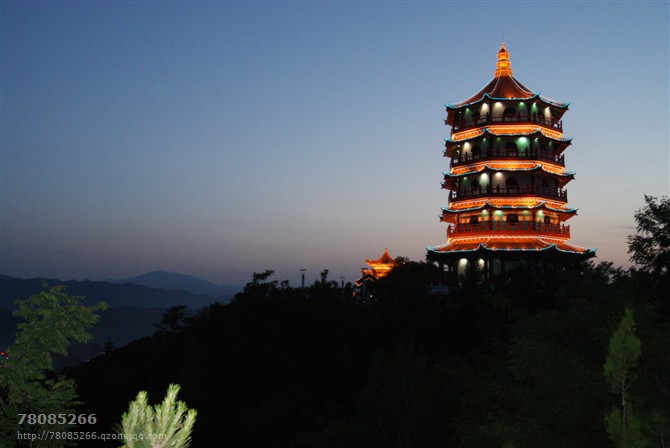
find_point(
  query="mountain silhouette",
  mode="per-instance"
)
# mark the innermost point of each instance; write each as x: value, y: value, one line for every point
x: 135, y: 309
x: 182, y: 282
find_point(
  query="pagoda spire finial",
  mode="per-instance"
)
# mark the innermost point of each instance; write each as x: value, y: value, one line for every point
x: 503, y: 66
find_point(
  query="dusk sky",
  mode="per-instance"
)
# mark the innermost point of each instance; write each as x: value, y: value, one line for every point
x: 221, y: 138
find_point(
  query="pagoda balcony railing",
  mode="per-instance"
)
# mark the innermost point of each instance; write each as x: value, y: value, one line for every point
x: 533, y: 154
x: 507, y: 118
x: 508, y: 228
x: 554, y: 193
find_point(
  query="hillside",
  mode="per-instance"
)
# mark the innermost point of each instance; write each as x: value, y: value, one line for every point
x: 115, y: 295
x: 183, y: 282
x: 133, y: 313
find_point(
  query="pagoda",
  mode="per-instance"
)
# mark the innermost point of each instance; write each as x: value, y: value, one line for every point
x: 377, y: 269
x: 507, y: 198
x: 380, y: 267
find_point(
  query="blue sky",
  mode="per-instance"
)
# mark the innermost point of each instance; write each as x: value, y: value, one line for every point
x: 222, y: 138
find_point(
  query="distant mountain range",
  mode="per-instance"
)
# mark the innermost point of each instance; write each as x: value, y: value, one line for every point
x: 115, y: 295
x: 136, y: 304
x: 182, y: 282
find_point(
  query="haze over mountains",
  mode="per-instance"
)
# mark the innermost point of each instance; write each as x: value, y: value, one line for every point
x: 136, y: 304
x: 182, y: 282
x: 118, y: 294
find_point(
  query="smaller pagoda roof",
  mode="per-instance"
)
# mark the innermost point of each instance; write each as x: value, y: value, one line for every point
x: 379, y: 267
x: 384, y: 259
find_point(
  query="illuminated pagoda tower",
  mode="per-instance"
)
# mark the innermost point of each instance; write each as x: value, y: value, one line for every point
x: 506, y: 182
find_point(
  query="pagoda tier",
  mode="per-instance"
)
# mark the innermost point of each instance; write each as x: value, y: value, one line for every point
x: 507, y: 178
x: 484, y: 144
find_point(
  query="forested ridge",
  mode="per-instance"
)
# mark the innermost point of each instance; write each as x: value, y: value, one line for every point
x: 518, y: 362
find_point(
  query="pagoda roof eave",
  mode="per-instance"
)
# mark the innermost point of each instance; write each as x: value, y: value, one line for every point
x: 476, y: 133
x: 384, y: 259
x: 486, y: 96
x: 489, y: 247
x: 487, y: 204
x: 487, y: 166
x: 488, y: 132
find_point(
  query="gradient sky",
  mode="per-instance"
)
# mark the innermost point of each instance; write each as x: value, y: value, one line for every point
x: 221, y: 138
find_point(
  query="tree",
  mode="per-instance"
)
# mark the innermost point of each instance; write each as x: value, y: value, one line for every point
x: 260, y: 287
x: 650, y: 247
x: 324, y: 288
x: 403, y: 404
x: 166, y: 425
x: 623, y: 426
x: 173, y: 319
x: 28, y: 385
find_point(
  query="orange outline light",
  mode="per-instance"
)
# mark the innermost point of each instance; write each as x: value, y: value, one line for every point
x: 497, y: 129
x: 517, y: 202
x: 468, y: 204
x: 496, y: 165
x: 506, y: 202
x: 519, y: 238
x: 464, y: 135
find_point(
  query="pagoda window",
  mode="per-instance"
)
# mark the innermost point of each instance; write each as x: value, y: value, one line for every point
x: 511, y: 183
x: 513, y: 218
x: 545, y: 185
x: 547, y: 220
x: 476, y: 152
x: 474, y: 219
x: 509, y: 114
x: 475, y: 117
x: 511, y: 149
x: 458, y: 119
x: 475, y: 186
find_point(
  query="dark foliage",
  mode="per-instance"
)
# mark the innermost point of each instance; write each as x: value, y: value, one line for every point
x: 650, y: 246
x: 517, y: 363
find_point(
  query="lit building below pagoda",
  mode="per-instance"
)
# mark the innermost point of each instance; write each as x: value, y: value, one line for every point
x: 377, y: 269
x: 507, y: 198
